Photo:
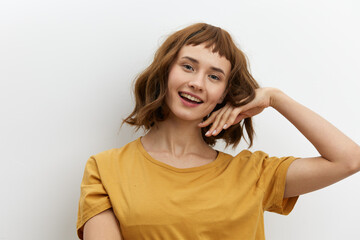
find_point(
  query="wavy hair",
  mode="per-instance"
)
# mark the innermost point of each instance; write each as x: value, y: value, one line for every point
x: 151, y: 85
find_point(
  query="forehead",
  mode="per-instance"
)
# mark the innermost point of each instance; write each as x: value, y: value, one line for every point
x: 205, y: 56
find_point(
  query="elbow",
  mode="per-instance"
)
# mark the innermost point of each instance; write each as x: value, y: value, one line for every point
x: 354, y: 165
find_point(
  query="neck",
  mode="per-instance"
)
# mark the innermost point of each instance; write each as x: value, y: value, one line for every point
x: 175, y: 137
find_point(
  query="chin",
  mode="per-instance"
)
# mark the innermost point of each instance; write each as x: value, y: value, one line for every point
x: 187, y: 117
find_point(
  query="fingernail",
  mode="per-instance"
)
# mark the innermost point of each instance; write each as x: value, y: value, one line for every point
x: 214, y: 132
x: 225, y: 125
x: 207, y: 132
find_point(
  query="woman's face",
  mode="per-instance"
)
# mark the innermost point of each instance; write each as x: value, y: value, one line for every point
x: 196, y: 83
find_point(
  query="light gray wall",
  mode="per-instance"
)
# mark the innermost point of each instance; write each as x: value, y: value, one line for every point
x: 66, y: 69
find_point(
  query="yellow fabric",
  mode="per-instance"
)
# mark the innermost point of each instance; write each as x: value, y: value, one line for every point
x: 224, y: 199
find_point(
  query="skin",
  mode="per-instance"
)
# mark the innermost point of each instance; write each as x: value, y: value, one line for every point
x: 102, y: 226
x: 339, y: 155
x: 199, y: 71
x: 177, y: 141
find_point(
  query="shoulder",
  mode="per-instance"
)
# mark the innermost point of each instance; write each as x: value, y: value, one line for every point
x: 107, y: 165
x: 261, y: 161
x: 249, y: 156
x: 115, y: 153
x: 111, y: 159
x: 259, y: 157
x: 246, y: 160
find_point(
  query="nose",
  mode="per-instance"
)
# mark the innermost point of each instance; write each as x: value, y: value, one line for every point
x: 197, y: 82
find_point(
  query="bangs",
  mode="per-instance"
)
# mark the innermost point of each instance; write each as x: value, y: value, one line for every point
x: 216, y: 38
x: 151, y: 85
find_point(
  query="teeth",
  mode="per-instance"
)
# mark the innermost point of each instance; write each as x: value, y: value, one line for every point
x: 190, y: 97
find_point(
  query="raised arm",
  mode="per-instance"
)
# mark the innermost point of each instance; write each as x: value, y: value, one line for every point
x: 340, y: 156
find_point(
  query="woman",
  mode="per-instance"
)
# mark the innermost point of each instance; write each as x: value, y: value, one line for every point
x: 170, y: 183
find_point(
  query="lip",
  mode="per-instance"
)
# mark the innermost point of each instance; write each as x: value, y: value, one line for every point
x: 191, y: 94
x: 188, y: 104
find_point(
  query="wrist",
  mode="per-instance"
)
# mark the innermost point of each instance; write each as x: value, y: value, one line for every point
x: 275, y: 96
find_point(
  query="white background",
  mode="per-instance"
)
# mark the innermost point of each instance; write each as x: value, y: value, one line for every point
x: 66, y: 69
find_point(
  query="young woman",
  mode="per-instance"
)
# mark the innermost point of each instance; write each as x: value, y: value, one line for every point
x: 171, y: 184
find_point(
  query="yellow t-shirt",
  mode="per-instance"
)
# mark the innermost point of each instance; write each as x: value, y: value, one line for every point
x: 224, y: 199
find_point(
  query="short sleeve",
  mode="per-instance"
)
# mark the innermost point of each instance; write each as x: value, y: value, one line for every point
x: 93, y: 197
x: 272, y: 180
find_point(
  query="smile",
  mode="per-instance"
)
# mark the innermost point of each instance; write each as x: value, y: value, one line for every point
x: 190, y: 98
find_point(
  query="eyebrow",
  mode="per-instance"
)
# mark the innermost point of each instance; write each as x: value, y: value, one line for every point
x: 197, y: 62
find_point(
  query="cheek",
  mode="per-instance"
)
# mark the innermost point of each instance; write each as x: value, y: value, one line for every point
x: 172, y: 79
x: 217, y: 94
x: 172, y: 84
x: 176, y: 79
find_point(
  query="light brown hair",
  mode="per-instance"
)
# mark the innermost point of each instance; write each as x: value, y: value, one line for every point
x: 151, y: 85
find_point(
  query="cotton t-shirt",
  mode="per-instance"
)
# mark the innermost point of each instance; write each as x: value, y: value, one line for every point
x: 224, y: 199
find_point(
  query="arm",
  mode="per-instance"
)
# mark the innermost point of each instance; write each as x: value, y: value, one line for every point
x: 340, y: 156
x: 103, y: 226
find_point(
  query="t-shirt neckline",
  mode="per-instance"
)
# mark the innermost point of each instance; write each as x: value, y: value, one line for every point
x: 214, y: 163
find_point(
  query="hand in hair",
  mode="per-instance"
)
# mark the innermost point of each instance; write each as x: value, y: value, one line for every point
x: 230, y: 115
x: 339, y: 155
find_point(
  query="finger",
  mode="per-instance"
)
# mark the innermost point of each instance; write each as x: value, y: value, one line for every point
x: 209, y: 119
x: 221, y: 120
x: 224, y: 120
x: 243, y: 112
x: 235, y: 117
x: 239, y: 118
x: 217, y: 126
x: 215, y: 129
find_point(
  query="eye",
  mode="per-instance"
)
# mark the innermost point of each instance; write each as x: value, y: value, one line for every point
x: 214, y: 77
x: 188, y: 67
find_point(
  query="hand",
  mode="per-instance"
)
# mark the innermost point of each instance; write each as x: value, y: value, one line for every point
x: 230, y: 115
